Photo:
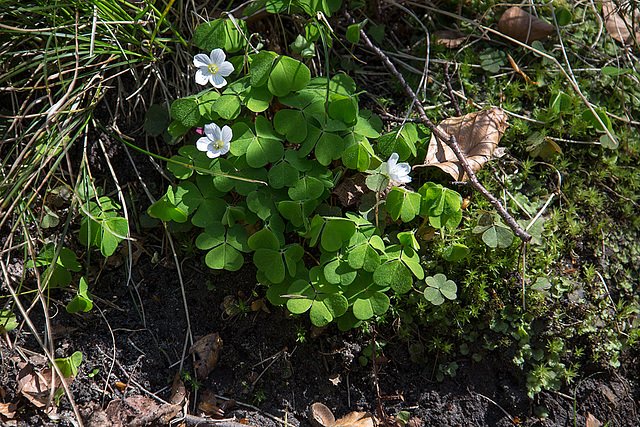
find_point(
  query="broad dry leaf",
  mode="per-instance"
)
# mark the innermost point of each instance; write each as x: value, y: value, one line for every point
x: 35, y: 385
x: 592, y: 421
x: 208, y: 349
x: 8, y: 410
x: 450, y: 38
x: 320, y: 415
x: 355, y: 419
x: 477, y: 134
x: 618, y: 23
x: 523, y: 26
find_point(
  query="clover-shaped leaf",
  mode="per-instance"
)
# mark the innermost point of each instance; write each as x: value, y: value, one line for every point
x: 186, y: 111
x: 288, y: 75
x: 297, y: 211
x: 494, y: 233
x: 357, y: 152
x: 438, y: 288
x: 83, y: 300
x: 404, y: 204
x: 220, y: 33
x: 370, y: 303
x: 395, y: 274
x: 336, y: 232
x: 260, y: 69
x: 401, y: 140
x: 224, y: 246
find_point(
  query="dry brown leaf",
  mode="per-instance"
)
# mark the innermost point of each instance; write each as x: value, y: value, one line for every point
x: 451, y: 39
x: 178, y: 391
x: 355, y: 419
x: 618, y: 23
x: 477, y: 134
x: 208, y: 349
x: 8, y: 410
x: 350, y: 190
x: 522, y: 26
x: 592, y: 421
x: 320, y: 416
x: 35, y: 385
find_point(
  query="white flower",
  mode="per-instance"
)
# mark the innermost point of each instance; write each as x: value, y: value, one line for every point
x: 216, y: 141
x: 398, y: 172
x: 212, y: 68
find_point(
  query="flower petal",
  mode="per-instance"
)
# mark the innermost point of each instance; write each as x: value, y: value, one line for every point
x: 217, y: 57
x: 217, y: 80
x: 225, y: 68
x: 213, y: 154
x: 226, y: 134
x: 202, y: 144
x: 202, y: 78
x: 201, y: 60
x: 225, y: 147
x: 213, y: 131
x: 393, y: 160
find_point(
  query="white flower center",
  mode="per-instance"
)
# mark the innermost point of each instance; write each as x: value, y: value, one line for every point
x: 218, y: 144
x: 213, y: 68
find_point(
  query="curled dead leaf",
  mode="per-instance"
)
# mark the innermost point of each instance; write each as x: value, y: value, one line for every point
x: 619, y: 22
x: 523, y: 26
x: 321, y: 416
x: 8, y: 410
x: 477, y: 134
x: 208, y: 349
x: 35, y: 386
x: 355, y: 419
x: 451, y: 39
x: 592, y: 421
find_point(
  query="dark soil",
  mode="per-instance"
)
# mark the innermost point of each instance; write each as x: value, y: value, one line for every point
x: 144, y: 325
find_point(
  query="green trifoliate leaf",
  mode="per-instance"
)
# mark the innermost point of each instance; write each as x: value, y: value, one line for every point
x: 261, y: 64
x: 403, y: 204
x: 438, y: 288
x: 186, y: 111
x: 400, y: 140
x: 336, y: 232
x: 455, y: 252
x: 307, y: 187
x: 271, y: 263
x: 369, y: 304
x: 394, y: 274
x: 288, y: 75
x: 283, y: 174
x: 156, y: 120
x: 305, y: 294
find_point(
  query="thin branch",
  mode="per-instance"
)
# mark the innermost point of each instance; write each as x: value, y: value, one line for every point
x: 450, y: 140
x: 447, y: 82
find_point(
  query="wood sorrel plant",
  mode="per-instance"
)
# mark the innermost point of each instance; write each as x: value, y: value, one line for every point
x: 260, y: 182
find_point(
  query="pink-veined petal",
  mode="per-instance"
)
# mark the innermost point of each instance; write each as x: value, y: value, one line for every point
x: 202, y: 78
x: 217, y: 80
x: 226, y: 134
x: 225, y: 68
x: 217, y: 57
x: 201, y: 60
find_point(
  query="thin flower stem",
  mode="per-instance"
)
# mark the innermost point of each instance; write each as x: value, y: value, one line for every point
x: 450, y: 140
